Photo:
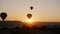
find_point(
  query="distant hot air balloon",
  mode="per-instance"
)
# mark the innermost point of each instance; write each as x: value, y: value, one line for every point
x: 29, y: 15
x: 31, y: 7
x: 3, y: 16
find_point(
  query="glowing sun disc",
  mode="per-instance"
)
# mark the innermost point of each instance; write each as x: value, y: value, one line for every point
x: 29, y: 20
x: 29, y: 23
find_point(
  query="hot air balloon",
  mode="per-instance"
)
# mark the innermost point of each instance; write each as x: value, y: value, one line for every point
x: 29, y: 15
x: 3, y: 16
x: 31, y: 7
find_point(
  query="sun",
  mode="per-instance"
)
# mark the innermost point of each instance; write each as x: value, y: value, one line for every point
x: 30, y: 20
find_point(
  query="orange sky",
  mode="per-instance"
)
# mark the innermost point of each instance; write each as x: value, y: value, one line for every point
x: 44, y: 10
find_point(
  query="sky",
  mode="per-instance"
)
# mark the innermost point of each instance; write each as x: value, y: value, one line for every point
x: 43, y: 11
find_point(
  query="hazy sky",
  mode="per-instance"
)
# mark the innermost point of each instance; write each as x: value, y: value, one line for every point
x: 44, y: 10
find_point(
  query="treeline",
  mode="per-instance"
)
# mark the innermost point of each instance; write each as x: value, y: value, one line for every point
x: 43, y: 28
x: 23, y: 30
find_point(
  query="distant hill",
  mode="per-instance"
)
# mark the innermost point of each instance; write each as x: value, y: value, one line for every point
x: 13, y: 24
x: 10, y: 24
x: 49, y: 24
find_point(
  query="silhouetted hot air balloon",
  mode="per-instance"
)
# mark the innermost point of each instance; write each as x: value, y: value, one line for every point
x: 3, y: 16
x: 29, y: 15
x: 31, y: 7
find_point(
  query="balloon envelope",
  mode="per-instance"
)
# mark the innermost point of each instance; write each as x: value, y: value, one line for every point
x: 31, y: 7
x: 29, y: 15
x: 3, y: 16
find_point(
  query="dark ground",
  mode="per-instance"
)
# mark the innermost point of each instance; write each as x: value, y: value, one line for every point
x: 17, y: 27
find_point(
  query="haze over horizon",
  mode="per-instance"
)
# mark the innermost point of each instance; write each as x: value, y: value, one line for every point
x: 43, y: 11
